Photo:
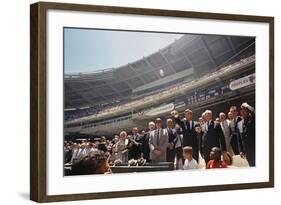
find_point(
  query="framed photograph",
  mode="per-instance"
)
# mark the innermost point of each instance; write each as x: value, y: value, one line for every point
x: 135, y: 102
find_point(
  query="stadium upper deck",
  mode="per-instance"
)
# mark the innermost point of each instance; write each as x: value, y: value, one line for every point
x: 226, y: 72
x: 188, y: 58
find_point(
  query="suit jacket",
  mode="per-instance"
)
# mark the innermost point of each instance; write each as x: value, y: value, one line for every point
x: 135, y: 149
x: 249, y: 139
x: 234, y: 124
x: 172, y: 133
x: 235, y: 134
x: 226, y: 132
x: 234, y: 129
x: 68, y: 155
x: 145, y: 145
x: 178, y: 140
x: 189, y: 134
x: 160, y: 143
x: 213, y: 137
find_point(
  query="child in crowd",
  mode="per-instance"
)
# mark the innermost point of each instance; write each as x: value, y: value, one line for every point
x: 189, y: 162
x: 216, y: 162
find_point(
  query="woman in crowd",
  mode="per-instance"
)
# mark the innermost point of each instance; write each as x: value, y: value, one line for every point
x: 122, y: 147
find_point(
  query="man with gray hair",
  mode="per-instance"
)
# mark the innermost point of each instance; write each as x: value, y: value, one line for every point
x: 171, y: 140
x: 145, y: 141
x: 212, y: 137
x: 158, y: 142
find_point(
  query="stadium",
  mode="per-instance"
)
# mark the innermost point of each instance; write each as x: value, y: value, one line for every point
x: 198, y: 72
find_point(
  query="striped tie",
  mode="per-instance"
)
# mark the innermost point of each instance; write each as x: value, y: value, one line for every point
x: 158, y: 137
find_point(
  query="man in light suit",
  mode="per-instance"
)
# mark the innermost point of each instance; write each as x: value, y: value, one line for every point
x: 225, y: 126
x: 158, y: 143
x: 234, y: 131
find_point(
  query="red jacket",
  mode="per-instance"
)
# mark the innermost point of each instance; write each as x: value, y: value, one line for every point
x: 212, y: 164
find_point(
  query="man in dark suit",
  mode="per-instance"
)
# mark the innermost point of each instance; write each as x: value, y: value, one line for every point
x: 199, y: 132
x: 188, y: 131
x: 68, y: 153
x: 212, y: 137
x: 135, y: 145
x: 179, y: 147
x: 145, y: 141
x: 234, y: 131
x: 171, y: 140
x: 248, y: 147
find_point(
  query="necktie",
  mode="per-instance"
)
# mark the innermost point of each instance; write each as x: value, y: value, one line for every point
x: 158, y: 136
x: 170, y: 133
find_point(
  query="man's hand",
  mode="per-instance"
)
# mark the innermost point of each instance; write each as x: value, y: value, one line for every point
x: 124, y: 151
x: 225, y: 156
x: 175, y: 113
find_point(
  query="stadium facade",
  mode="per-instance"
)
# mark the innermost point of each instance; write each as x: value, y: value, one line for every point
x: 196, y: 71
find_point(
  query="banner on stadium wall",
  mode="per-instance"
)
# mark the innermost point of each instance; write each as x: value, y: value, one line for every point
x: 160, y: 110
x: 180, y: 104
x: 243, y: 82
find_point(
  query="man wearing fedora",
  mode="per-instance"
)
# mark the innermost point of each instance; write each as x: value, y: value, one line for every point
x: 248, y: 148
x: 158, y: 143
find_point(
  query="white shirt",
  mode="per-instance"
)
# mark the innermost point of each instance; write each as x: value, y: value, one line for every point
x: 240, y: 126
x: 192, y: 164
x: 74, y: 154
x: 207, y: 125
x: 190, y: 124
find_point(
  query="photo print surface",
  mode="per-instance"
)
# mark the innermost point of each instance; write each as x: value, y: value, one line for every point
x: 141, y: 101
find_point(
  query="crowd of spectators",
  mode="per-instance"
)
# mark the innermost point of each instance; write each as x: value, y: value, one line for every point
x: 189, y: 144
x: 83, y: 112
x: 171, y: 91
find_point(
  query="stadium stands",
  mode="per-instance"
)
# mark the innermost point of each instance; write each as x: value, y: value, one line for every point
x: 168, y: 92
x: 195, y: 70
x: 199, y: 54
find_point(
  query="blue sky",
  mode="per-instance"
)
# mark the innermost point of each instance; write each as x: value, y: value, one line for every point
x: 91, y: 50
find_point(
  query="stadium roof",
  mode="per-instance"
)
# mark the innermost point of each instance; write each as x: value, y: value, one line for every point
x: 188, y: 57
